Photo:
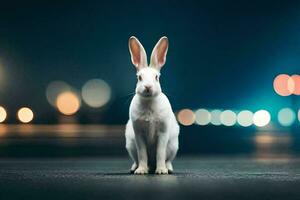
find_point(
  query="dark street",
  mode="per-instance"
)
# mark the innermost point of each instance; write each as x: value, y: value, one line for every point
x: 108, y: 178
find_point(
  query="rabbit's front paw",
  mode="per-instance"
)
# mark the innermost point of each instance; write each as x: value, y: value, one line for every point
x: 141, y: 170
x: 161, y: 170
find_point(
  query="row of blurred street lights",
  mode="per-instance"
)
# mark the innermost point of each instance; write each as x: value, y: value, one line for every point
x: 24, y: 114
x: 245, y: 118
x: 95, y: 93
x: 283, y: 84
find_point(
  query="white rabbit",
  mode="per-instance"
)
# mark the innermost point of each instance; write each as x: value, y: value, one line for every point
x: 152, y: 130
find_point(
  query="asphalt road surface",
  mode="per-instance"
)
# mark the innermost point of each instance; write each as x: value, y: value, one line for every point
x: 108, y: 178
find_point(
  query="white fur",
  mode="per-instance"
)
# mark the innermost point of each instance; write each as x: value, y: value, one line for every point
x: 152, y: 130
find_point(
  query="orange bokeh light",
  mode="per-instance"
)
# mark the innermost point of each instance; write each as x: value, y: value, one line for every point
x: 295, y: 79
x: 283, y: 85
x: 186, y: 117
x: 68, y: 103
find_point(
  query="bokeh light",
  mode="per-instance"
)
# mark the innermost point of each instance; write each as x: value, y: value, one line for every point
x: 186, y: 117
x: 228, y: 118
x: 295, y: 84
x: 3, y: 114
x: 54, y: 89
x: 215, y: 117
x: 299, y: 115
x: 96, y: 93
x: 25, y: 115
x: 68, y: 103
x: 283, y: 85
x: 245, y: 118
x: 286, y: 117
x: 202, y: 117
x: 261, y: 118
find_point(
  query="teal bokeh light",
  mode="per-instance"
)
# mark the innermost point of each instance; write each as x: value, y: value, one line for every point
x: 286, y: 117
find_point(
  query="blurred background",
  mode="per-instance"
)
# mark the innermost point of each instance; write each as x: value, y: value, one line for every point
x: 232, y: 75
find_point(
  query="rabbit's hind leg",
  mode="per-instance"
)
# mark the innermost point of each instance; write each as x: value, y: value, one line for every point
x: 132, y: 151
x: 131, y: 146
x: 169, y: 167
x: 172, y: 149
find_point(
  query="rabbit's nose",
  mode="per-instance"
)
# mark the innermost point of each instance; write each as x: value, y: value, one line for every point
x: 148, y: 88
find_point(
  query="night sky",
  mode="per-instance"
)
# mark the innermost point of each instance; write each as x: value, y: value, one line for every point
x: 222, y: 54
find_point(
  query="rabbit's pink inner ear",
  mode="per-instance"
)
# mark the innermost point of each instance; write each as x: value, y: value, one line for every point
x: 138, y: 54
x: 135, y: 53
x: 159, y: 53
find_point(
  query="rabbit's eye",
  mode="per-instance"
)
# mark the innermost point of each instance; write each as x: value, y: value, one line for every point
x: 156, y: 77
x: 140, y: 78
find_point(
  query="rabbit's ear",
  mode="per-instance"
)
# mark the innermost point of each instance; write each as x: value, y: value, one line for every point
x: 159, y: 53
x: 138, y: 54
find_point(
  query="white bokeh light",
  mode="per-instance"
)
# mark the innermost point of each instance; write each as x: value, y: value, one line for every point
x: 286, y: 117
x: 261, y: 118
x: 96, y: 93
x: 228, y: 118
x: 203, y: 117
x: 3, y: 114
x: 245, y: 118
x: 215, y: 117
x: 25, y: 115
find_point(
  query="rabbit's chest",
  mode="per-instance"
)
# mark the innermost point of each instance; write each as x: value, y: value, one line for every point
x: 149, y: 123
x: 147, y: 116
x: 148, y: 120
